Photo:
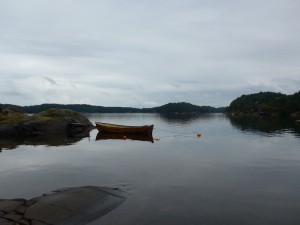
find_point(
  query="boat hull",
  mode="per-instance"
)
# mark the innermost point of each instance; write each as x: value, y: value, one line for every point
x: 122, y: 129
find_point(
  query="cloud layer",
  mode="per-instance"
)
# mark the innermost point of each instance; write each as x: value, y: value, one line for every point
x: 146, y: 53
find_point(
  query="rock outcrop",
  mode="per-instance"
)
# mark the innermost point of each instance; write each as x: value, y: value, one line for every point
x: 49, y: 127
x: 51, y: 122
x: 68, y: 206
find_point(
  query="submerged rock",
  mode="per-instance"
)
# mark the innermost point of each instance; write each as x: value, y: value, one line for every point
x: 68, y: 206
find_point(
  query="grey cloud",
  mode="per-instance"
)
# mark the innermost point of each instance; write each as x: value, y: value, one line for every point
x: 50, y: 80
x: 205, y: 52
x: 13, y: 93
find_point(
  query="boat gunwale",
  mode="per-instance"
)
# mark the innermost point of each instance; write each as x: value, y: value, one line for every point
x: 122, y: 126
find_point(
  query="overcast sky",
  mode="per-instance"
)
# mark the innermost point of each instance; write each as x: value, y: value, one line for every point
x: 142, y: 53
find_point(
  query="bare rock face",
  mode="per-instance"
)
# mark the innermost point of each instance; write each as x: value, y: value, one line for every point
x: 68, y: 206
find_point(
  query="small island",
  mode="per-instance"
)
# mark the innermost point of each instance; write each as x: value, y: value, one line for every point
x: 266, y: 103
x: 14, y: 123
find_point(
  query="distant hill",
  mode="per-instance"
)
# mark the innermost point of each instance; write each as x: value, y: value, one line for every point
x: 266, y: 102
x: 83, y: 108
x: 181, y: 107
x: 9, y: 107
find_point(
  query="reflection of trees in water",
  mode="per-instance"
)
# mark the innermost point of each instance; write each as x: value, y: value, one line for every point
x: 184, y: 118
x: 266, y: 124
x: 124, y: 136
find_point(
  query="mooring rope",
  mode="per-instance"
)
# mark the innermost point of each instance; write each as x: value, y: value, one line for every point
x: 175, y: 132
x: 181, y: 133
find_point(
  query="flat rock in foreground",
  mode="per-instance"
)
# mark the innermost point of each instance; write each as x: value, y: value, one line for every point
x: 68, y: 206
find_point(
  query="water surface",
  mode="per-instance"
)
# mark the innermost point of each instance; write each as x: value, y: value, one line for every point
x: 241, y: 170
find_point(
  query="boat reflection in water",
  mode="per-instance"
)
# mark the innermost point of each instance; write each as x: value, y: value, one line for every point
x: 123, y: 132
x: 124, y: 136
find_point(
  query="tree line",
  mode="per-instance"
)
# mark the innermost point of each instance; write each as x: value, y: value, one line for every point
x: 266, y: 102
x: 181, y: 107
x: 262, y: 102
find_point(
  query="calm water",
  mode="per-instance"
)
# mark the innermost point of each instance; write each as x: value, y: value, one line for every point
x: 241, y: 171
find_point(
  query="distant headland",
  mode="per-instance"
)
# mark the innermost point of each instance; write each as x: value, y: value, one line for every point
x: 266, y: 103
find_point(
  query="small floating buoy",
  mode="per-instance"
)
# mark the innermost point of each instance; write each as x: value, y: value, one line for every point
x: 199, y: 135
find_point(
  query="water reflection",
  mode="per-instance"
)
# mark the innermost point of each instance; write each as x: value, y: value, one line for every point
x: 185, y: 119
x: 12, y: 143
x: 176, y: 180
x: 124, y: 136
x: 265, y: 124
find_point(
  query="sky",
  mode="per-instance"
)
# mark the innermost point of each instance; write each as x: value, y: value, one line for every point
x: 140, y: 53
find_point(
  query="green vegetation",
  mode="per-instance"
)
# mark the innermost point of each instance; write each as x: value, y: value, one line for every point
x: 259, y: 103
x: 10, y: 114
x: 54, y: 114
x: 8, y: 109
x: 181, y: 107
x: 266, y: 103
x: 83, y: 108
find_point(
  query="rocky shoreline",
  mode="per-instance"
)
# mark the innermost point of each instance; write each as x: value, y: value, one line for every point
x: 51, y: 125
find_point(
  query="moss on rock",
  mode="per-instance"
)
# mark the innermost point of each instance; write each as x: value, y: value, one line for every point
x: 51, y: 122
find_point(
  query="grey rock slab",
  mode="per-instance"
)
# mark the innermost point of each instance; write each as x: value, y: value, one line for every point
x: 9, y: 205
x: 6, y: 222
x: 13, y: 216
x: 24, y: 222
x: 36, y: 222
x: 67, y: 206
x: 29, y: 202
x: 46, y: 213
x: 21, y: 209
x: 78, y: 199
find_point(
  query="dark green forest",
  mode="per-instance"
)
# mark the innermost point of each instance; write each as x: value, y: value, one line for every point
x: 266, y: 103
x: 181, y: 107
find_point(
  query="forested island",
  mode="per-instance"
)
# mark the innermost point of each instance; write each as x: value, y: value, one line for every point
x: 181, y: 107
x: 266, y: 103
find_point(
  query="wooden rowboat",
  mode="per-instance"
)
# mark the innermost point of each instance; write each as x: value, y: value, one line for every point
x: 121, y: 129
